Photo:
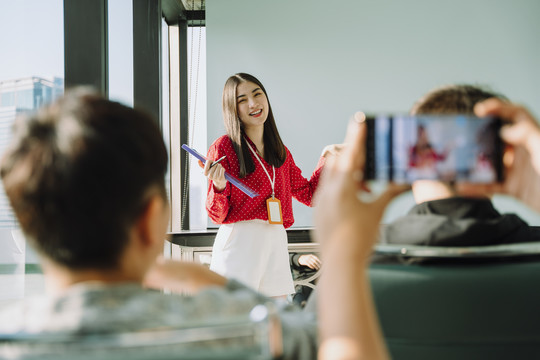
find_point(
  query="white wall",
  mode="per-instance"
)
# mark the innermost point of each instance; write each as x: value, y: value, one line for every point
x: 321, y: 61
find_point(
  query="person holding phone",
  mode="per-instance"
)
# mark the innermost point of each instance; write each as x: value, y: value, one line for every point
x: 251, y: 243
x: 347, y: 229
x: 454, y: 213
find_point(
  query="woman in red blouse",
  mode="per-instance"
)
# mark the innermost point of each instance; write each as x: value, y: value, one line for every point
x: 423, y: 157
x: 250, y: 245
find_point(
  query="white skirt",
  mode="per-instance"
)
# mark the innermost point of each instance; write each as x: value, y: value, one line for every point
x: 256, y: 254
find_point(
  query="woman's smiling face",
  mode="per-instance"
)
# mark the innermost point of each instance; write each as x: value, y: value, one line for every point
x: 251, y: 104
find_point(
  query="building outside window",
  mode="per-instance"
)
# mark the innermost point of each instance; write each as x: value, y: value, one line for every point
x: 31, y: 75
x: 17, y: 97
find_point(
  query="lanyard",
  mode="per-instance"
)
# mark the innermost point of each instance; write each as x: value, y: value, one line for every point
x: 272, y: 181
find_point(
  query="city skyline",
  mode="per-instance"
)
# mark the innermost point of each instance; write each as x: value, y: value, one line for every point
x: 16, y: 97
x: 35, y: 45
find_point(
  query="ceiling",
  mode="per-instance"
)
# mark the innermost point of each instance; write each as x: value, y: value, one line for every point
x: 191, y: 10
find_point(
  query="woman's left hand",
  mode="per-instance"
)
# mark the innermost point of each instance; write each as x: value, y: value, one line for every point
x: 332, y: 150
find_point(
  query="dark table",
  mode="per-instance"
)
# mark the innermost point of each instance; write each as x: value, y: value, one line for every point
x: 196, y: 245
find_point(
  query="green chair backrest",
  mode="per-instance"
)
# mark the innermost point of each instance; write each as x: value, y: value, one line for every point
x: 461, y: 311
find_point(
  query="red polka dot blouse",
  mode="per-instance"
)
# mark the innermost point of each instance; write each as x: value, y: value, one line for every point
x: 232, y: 205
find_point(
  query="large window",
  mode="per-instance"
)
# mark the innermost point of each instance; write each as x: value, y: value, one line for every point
x: 186, y: 76
x: 120, y: 41
x: 197, y: 123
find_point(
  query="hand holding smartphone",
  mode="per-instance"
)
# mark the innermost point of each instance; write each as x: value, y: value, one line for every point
x: 452, y: 148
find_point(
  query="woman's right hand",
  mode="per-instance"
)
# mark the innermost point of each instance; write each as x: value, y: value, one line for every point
x: 216, y: 174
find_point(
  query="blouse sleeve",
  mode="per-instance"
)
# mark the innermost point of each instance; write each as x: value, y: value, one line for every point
x: 303, y: 189
x: 217, y: 202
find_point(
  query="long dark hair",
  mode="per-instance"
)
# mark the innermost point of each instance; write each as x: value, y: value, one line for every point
x: 274, y: 150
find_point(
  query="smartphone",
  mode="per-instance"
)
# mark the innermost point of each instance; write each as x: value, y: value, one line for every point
x: 452, y: 148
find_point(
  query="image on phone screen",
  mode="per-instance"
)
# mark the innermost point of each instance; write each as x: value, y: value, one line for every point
x: 453, y: 148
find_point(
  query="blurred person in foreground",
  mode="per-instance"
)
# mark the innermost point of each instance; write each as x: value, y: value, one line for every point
x: 348, y: 228
x: 85, y: 177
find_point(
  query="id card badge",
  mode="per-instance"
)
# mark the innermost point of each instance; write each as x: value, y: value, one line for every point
x: 275, y: 215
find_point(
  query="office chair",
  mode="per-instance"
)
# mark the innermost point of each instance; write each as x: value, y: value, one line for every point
x: 463, y: 310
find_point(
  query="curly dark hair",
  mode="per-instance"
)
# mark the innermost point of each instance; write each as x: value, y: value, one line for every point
x: 453, y: 99
x: 461, y: 99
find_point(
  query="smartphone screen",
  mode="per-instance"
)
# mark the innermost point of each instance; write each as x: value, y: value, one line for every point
x: 453, y: 148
